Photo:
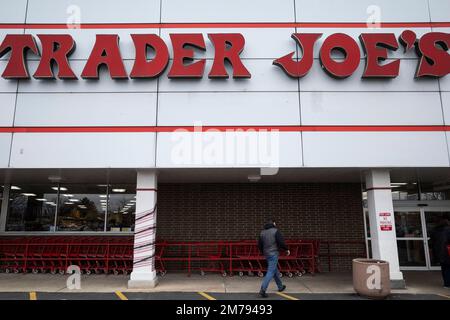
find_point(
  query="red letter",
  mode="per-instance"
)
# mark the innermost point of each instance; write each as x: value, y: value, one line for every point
x: 434, y: 61
x: 300, y: 68
x: 55, y: 48
x: 180, y: 53
x: 375, y: 46
x: 345, y: 44
x: 227, y: 47
x: 19, y: 44
x: 106, y: 51
x: 143, y: 68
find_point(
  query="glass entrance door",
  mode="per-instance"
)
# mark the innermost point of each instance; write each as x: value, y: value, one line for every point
x: 411, y: 241
x: 414, y: 227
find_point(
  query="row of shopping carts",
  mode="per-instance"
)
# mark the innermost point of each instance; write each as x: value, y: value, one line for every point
x: 54, y: 254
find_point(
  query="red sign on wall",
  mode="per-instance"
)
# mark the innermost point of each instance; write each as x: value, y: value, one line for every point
x: 385, y: 221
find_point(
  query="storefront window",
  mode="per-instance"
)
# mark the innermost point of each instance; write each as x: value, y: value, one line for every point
x: 82, y: 207
x: 32, y: 208
x: 121, y: 208
x: 405, y: 191
x: 434, y: 191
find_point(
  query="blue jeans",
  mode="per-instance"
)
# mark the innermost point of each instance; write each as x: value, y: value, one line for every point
x: 272, y: 272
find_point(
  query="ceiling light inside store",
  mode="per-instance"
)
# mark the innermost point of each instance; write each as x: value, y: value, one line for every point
x: 68, y: 195
x: 29, y: 194
x: 81, y: 206
x: 51, y: 203
x: 69, y: 203
x: 74, y: 200
x: 102, y: 195
x: 16, y: 188
x: 61, y: 188
x: 254, y: 177
x: 41, y: 199
x: 119, y: 190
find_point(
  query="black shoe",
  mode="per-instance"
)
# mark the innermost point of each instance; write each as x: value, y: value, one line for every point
x: 262, y: 294
x: 282, y: 288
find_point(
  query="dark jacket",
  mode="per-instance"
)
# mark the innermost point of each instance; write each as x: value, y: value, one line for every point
x: 440, y: 239
x: 271, y: 241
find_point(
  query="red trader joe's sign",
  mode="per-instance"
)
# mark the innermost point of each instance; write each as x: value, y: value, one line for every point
x: 431, y: 48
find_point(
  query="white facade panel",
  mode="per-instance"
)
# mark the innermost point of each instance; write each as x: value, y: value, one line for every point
x: 371, y: 108
x: 227, y: 11
x: 318, y: 80
x: 6, y: 85
x: 7, y: 105
x: 234, y: 108
x: 439, y: 10
x: 444, y: 83
x: 362, y: 10
x: 86, y: 109
x: 13, y: 11
x: 85, y: 40
x: 261, y: 43
x: 446, y: 106
x: 229, y: 149
x: 375, y: 149
x: 88, y: 11
x: 82, y: 150
x: 104, y: 84
x: 5, y: 146
x: 265, y: 77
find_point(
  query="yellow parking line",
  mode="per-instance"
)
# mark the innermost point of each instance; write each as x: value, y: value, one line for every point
x: 281, y: 294
x: 121, y: 295
x: 207, y: 296
x: 444, y: 295
x: 33, y: 295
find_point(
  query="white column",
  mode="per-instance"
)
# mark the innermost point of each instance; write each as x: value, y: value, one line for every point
x: 382, y: 222
x: 144, y: 273
x: 4, y: 206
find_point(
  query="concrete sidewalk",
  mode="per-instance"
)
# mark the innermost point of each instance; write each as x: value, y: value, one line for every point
x: 417, y: 283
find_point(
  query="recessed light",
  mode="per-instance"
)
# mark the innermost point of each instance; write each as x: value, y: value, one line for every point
x: 41, y: 199
x: 74, y: 200
x: 16, y: 188
x: 119, y: 190
x: 29, y: 194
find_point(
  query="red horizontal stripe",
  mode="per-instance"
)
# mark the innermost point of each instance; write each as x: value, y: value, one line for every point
x: 222, y: 25
x: 344, y: 128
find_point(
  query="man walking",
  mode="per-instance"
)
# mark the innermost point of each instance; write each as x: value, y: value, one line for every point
x: 269, y: 243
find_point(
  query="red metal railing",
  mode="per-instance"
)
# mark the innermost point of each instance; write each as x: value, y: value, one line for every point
x: 100, y: 254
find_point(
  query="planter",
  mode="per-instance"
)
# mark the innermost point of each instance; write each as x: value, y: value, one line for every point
x: 371, y: 278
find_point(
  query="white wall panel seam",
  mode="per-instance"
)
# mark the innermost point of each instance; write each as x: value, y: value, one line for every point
x: 15, y: 102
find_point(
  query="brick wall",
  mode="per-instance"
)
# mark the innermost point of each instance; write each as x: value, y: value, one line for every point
x: 238, y: 211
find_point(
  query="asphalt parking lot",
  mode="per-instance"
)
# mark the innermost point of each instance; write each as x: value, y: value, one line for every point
x: 201, y: 296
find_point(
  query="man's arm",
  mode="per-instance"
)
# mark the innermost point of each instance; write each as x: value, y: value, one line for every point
x: 280, y: 241
x: 260, y: 245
